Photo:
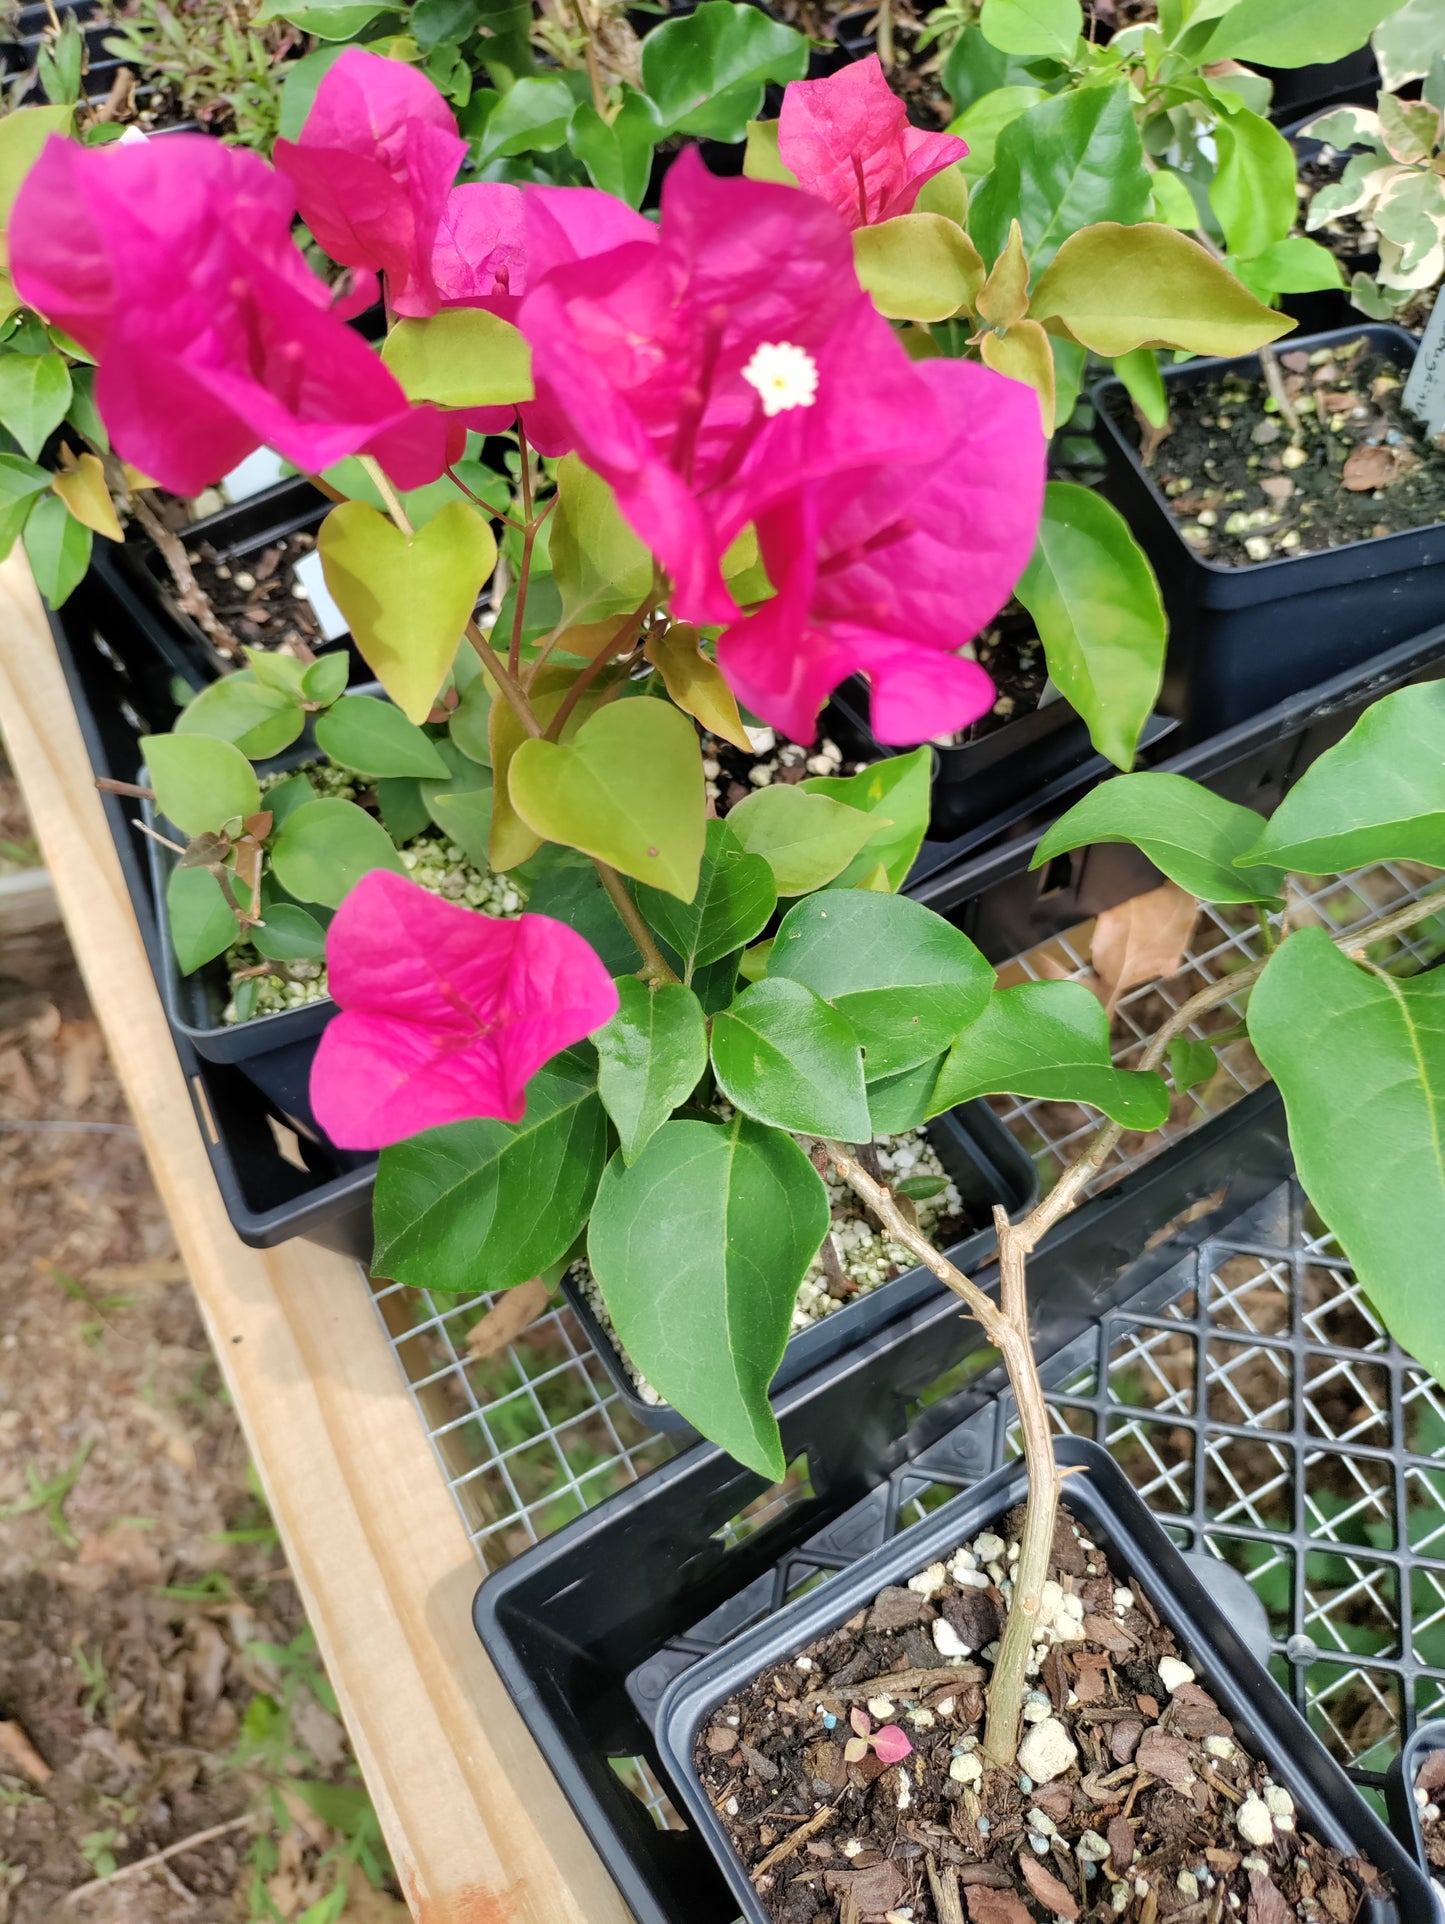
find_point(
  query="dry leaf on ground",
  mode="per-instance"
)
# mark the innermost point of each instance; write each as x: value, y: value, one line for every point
x: 505, y: 1320
x: 1142, y: 939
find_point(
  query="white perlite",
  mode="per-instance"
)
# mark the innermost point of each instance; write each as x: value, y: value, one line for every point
x: 1047, y: 1751
x: 1173, y: 1674
x: 946, y: 1640
x: 929, y: 1582
x: 966, y: 1770
x: 1253, y: 1821
x: 1220, y: 1747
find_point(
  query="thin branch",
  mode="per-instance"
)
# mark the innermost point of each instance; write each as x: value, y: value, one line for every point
x: 193, y: 1842
x: 388, y: 493
x: 506, y: 681
x: 1274, y: 381
x: 654, y: 961
x: 109, y: 787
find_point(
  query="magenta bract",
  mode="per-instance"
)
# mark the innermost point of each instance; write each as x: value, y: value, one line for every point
x: 173, y: 263
x: 848, y: 140
x: 445, y: 1013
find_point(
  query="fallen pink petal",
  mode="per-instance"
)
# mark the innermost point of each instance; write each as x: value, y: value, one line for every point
x: 446, y: 1013
x: 890, y: 1745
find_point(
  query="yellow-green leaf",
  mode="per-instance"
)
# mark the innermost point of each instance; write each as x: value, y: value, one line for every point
x: 1004, y: 296
x: 919, y: 267
x: 407, y: 598
x: 22, y: 134
x: 460, y: 358
x: 601, y: 567
x: 1024, y: 354
x: 83, y: 490
x: 946, y: 194
x: 1115, y: 288
x: 696, y: 684
x: 761, y: 160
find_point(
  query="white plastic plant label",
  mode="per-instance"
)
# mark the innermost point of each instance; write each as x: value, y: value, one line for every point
x: 1425, y: 389
x: 310, y: 578
x: 258, y: 471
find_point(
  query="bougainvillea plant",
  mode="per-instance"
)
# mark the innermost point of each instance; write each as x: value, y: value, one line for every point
x: 741, y: 486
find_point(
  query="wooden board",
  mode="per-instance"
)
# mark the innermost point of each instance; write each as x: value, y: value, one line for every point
x: 479, y: 1831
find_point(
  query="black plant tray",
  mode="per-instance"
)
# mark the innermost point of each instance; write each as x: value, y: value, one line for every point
x: 986, y: 1164
x: 1242, y: 638
x: 593, y: 1628
x: 1400, y: 1797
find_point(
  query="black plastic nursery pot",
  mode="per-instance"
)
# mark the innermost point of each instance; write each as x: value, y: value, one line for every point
x: 1299, y: 91
x: 1242, y: 638
x: 596, y: 1631
x: 1400, y: 1796
x: 1100, y: 1497
x: 986, y: 1166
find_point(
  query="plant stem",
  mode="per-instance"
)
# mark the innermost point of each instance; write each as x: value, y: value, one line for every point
x: 654, y: 962
x: 589, y: 47
x: 1274, y: 381
x: 190, y: 595
x: 388, y: 493
x: 884, y: 35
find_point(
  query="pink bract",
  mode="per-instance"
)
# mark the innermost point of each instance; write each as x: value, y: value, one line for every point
x: 890, y: 1745
x: 496, y: 241
x: 173, y: 263
x: 445, y: 1013
x: 643, y: 359
x: 373, y: 169
x: 889, y: 578
x: 848, y: 140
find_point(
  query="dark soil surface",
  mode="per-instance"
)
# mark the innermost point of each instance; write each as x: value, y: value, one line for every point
x: 1242, y: 492
x: 256, y: 597
x: 1158, y: 1815
x: 1013, y: 655
x: 733, y: 775
x: 1429, y: 1785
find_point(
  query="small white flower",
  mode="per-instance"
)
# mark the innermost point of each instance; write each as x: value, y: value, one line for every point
x: 785, y: 376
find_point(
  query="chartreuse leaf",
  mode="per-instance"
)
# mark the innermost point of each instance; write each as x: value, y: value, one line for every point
x: 323, y: 849
x: 650, y: 1057
x: 735, y: 896
x: 782, y: 1055
x: 202, y: 925
x: 599, y: 564
x: 761, y: 160
x: 1073, y: 159
x: 1293, y: 265
x: 1295, y: 33
x: 1360, y: 1061
x: 705, y: 72
x: 1024, y: 354
x: 201, y: 783
x: 487, y: 1205
x: 1194, y: 835
x: 83, y: 490
x: 907, y: 980
x: 374, y: 738
x: 699, y: 1249
x: 57, y: 547
x: 283, y: 674
x: 1376, y: 796
x: 806, y: 840
x: 289, y: 934
x: 1050, y: 1041
x: 918, y: 267
x: 695, y: 683
x: 325, y: 680
x: 1097, y: 607
x: 261, y: 721
x: 406, y: 599
x: 34, y: 397
x: 460, y: 358
x: 1033, y: 28
x: 897, y: 793
x: 627, y: 788
x: 1116, y: 288
x: 1191, y: 1062
x: 23, y: 132
x: 1144, y: 384
x: 1253, y: 190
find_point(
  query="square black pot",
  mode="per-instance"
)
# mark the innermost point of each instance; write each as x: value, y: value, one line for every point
x: 1400, y: 1798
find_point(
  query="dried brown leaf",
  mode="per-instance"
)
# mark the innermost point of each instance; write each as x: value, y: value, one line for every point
x: 1142, y: 939
x: 505, y: 1321
x: 18, y: 1754
x: 1372, y: 466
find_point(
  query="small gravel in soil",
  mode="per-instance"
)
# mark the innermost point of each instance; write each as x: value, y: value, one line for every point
x: 1429, y: 1796
x: 1241, y: 491
x: 731, y: 775
x: 258, y: 598
x: 866, y: 1259
x: 1013, y: 656
x: 1143, y: 1805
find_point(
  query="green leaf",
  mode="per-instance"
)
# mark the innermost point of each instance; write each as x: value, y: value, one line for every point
x: 285, y: 797
x: 761, y: 160
x: 805, y: 839
x: 973, y: 70
x: 1073, y: 159
x: 58, y: 548
x: 902, y: 1102
x: 1049, y: 1041
x: 1117, y: 288
x: 322, y: 851
x: 650, y: 1057
x: 202, y: 925
x: 1172, y: 201
x: 406, y: 600
x: 627, y: 788
x: 289, y: 934
x: 374, y: 738
x: 617, y: 155
x: 327, y: 19
x: 283, y: 674
x: 1144, y: 384
x: 201, y: 784
x: 531, y: 118
x: 298, y: 88
x: 898, y: 794
x: 1295, y: 33
x: 470, y: 723
x: 1033, y: 27
x: 600, y: 566
x: 460, y: 358
x: 982, y: 123
x: 1191, y: 1063
x: 705, y: 72
x: 907, y: 980
x: 487, y: 1205
x: 1195, y: 836
x: 404, y: 812
x: 918, y: 267
x: 464, y: 816
x: 1253, y: 190
x: 435, y: 22
x: 1408, y: 42
x: 735, y: 897
x: 23, y: 132
x: 782, y: 1055
x: 699, y: 1249
x: 1360, y: 1062
x: 326, y: 678
x: 260, y: 721
x: 1292, y: 266
x: 34, y: 397
x: 575, y: 896
x: 1376, y: 796
x: 1097, y: 607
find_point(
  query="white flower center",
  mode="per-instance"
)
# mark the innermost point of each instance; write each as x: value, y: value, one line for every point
x: 784, y: 376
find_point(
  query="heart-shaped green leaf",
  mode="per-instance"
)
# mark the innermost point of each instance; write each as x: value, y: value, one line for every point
x: 374, y: 738
x: 699, y: 1249
x: 806, y: 840
x: 289, y: 934
x: 649, y: 1058
x: 34, y: 396
x: 735, y: 896
x: 460, y: 358
x: 406, y: 599
x: 202, y: 925
x: 201, y: 783
x: 260, y: 721
x: 627, y: 788
x: 600, y: 566
x: 324, y: 848
x: 783, y: 1056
